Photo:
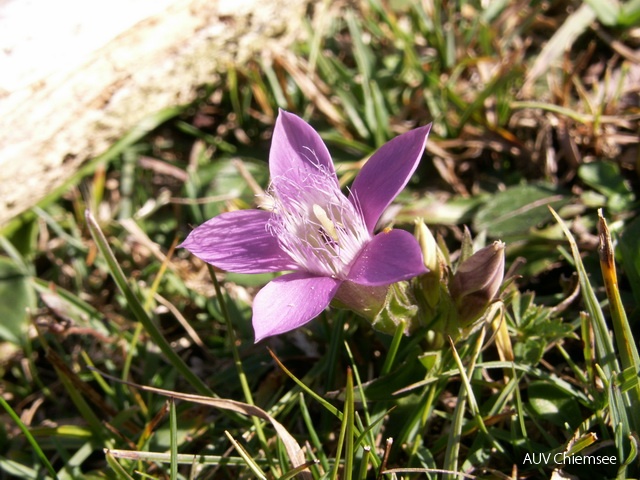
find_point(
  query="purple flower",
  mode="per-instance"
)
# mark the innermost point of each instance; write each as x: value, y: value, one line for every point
x: 326, y: 238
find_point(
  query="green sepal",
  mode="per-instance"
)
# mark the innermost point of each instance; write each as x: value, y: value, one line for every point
x: 400, y: 309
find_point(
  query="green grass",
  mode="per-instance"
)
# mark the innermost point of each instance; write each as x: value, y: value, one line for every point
x: 122, y: 357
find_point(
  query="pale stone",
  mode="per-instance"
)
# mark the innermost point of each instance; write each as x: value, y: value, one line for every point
x: 76, y: 75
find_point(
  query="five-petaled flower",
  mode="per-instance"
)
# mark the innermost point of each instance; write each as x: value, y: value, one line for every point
x: 325, y: 238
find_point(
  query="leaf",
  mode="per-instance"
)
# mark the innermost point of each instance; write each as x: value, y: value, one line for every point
x: 250, y: 279
x: 227, y: 181
x: 621, y: 407
x: 295, y: 453
x: 16, y: 296
x: 604, y: 343
x: 516, y: 210
x: 253, y: 466
x: 120, y: 472
x: 451, y: 212
x: 30, y: 439
x: 627, y: 350
x: 606, y: 178
x: 574, y: 26
x: 183, y: 458
x: 630, y: 13
x: 553, y: 404
x: 607, y: 11
x: 138, y: 310
x: 630, y: 250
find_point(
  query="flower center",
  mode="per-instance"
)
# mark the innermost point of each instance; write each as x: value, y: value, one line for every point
x: 316, y: 225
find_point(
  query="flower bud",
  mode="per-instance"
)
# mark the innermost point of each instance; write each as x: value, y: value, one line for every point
x: 428, y: 246
x: 476, y: 283
x: 430, y: 283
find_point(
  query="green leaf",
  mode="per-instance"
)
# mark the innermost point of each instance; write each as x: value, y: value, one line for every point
x: 630, y: 250
x: 515, y: 211
x: 554, y: 404
x: 16, y: 296
x: 606, y: 178
x: 173, y: 427
x: 25, y: 235
x: 138, y: 310
x: 249, y: 461
x: 621, y: 407
x: 228, y: 183
x: 454, y: 211
x: 607, y: 11
x: 630, y: 15
x: 250, y: 280
x: 27, y: 434
x: 119, y: 471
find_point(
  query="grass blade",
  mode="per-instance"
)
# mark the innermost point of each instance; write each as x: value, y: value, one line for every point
x: 32, y: 441
x: 236, y: 355
x: 310, y: 392
x: 313, y: 434
x: 574, y: 26
x: 622, y: 331
x: 349, y: 422
x: 295, y: 471
x: 138, y: 310
x: 173, y: 431
x: 78, y: 390
x: 295, y: 453
x: 620, y: 405
x: 364, y: 463
x: 257, y: 471
x: 607, y: 11
x: 604, y: 345
x: 182, y: 458
x: 452, y: 453
x: 115, y: 466
x: 393, y: 350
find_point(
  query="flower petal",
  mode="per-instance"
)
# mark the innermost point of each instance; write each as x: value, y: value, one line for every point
x: 390, y: 257
x: 239, y: 242
x: 290, y: 301
x: 297, y: 150
x: 387, y: 172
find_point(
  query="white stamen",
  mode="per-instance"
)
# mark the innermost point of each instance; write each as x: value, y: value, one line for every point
x: 315, y: 224
x: 324, y: 220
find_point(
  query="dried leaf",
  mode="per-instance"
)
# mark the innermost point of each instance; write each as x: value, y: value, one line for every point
x: 295, y: 453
